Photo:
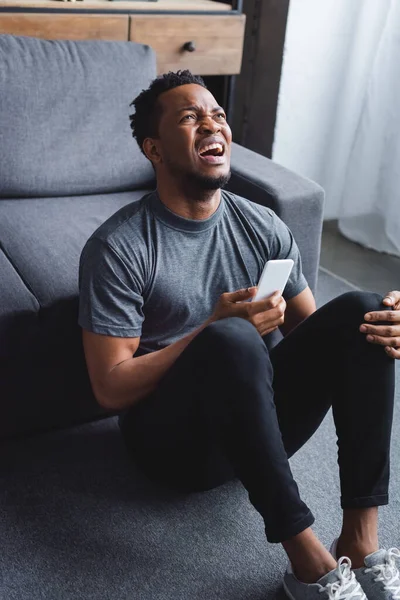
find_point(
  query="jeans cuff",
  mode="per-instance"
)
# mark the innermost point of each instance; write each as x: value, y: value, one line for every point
x: 278, y: 536
x: 365, y: 501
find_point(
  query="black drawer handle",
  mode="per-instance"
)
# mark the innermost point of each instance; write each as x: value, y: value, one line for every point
x: 189, y: 46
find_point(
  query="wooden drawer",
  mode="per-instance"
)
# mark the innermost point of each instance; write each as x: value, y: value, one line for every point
x: 66, y: 27
x: 218, y: 41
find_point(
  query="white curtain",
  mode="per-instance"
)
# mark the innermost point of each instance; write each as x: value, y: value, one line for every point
x: 338, y: 118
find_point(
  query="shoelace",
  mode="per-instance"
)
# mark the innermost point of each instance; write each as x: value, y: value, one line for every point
x: 340, y: 590
x: 388, y: 573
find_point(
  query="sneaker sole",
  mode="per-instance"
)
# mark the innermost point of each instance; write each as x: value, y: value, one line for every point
x: 287, y: 592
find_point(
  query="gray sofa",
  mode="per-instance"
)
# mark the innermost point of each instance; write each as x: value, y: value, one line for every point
x: 67, y: 162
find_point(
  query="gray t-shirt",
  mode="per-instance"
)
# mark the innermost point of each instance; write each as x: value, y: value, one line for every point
x: 150, y: 273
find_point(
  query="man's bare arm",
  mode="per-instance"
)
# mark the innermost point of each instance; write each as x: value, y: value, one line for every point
x: 297, y: 309
x: 120, y: 379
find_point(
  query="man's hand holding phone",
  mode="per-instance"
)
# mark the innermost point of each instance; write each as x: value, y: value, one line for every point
x: 266, y: 309
x: 266, y: 315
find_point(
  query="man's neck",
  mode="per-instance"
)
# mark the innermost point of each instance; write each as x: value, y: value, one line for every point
x: 191, y: 204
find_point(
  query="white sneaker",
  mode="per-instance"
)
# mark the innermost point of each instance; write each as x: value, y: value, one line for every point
x: 339, y: 584
x: 380, y: 577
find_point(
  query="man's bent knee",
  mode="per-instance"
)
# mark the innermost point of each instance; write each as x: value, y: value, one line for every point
x: 234, y: 336
x: 355, y: 305
x: 237, y: 351
x: 232, y: 329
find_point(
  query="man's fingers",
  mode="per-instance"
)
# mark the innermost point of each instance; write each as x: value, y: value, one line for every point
x: 383, y: 315
x: 388, y: 331
x: 276, y: 302
x: 276, y: 315
x: 268, y: 320
x: 384, y: 341
x: 267, y: 303
x: 393, y: 352
x: 270, y: 329
x: 271, y: 326
x: 389, y: 300
x: 392, y: 298
x: 387, y: 335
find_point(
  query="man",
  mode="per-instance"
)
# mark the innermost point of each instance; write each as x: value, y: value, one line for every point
x: 171, y: 341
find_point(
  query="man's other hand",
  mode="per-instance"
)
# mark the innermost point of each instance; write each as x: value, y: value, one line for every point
x: 387, y: 335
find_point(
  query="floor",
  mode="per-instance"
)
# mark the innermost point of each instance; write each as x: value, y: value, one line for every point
x: 79, y: 522
x: 358, y: 266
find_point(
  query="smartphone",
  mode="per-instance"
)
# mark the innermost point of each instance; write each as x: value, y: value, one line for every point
x: 273, y: 278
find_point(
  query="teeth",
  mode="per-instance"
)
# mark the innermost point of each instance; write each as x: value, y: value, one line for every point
x: 211, y: 147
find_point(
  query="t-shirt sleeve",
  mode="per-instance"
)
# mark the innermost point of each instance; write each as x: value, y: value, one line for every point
x: 283, y: 245
x: 110, y: 292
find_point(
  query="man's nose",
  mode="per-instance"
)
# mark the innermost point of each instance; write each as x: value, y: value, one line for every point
x: 209, y: 125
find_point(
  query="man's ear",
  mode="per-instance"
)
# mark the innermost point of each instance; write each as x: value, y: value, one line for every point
x: 150, y: 148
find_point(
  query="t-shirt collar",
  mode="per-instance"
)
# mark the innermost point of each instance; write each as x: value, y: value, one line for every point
x: 164, y: 214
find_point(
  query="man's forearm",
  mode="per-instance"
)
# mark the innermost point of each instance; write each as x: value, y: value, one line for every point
x: 133, y: 379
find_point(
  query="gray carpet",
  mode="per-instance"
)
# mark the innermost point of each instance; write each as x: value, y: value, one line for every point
x: 77, y: 522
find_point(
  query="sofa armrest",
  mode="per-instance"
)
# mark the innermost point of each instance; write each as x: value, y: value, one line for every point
x: 296, y: 200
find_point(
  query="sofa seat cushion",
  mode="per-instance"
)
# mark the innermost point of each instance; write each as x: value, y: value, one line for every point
x: 42, y: 240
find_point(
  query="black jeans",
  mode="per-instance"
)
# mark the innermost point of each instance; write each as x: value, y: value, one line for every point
x: 229, y: 408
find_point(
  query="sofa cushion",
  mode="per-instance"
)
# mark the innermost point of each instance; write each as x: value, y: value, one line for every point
x: 42, y: 240
x: 64, y: 116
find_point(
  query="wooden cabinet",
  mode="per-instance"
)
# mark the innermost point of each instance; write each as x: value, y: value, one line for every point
x: 66, y: 26
x: 205, y: 45
x: 203, y: 36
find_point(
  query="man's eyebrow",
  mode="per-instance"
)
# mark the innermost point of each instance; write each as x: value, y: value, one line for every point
x: 198, y: 109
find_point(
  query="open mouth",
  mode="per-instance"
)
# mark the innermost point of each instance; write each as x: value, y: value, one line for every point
x: 213, y: 153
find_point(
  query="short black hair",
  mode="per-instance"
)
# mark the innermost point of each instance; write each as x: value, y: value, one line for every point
x: 145, y: 119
